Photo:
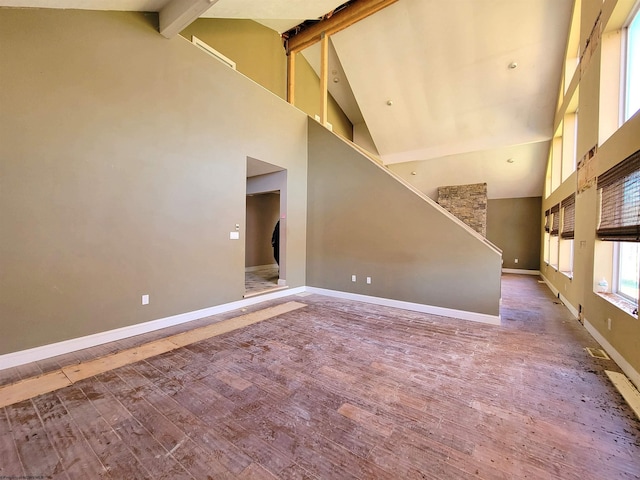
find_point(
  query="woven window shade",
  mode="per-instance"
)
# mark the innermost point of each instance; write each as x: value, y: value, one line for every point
x: 547, y: 219
x: 619, y: 190
x: 555, y: 220
x: 568, y: 206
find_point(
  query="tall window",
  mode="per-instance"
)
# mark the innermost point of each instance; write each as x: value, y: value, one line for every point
x: 632, y: 96
x: 568, y: 208
x: 628, y: 269
x: 554, y: 243
x: 619, y: 193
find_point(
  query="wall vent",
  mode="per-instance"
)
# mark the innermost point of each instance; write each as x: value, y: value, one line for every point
x: 597, y: 353
x: 212, y: 51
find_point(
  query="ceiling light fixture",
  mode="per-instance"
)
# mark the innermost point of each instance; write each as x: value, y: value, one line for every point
x: 513, y: 65
x: 389, y: 102
x: 414, y: 173
x: 336, y: 79
x: 510, y: 160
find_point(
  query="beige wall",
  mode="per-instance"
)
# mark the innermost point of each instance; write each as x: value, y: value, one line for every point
x: 259, y: 54
x: 307, y: 99
x: 513, y: 225
x: 256, y: 49
x: 624, y: 335
x: 362, y: 221
x: 263, y: 211
x: 123, y: 169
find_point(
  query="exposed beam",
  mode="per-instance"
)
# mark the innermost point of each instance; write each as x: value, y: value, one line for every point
x: 177, y: 15
x: 291, y: 78
x: 324, y: 75
x: 344, y: 18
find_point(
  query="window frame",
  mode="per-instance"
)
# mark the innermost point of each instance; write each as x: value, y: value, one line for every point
x: 617, y: 258
x: 634, y: 16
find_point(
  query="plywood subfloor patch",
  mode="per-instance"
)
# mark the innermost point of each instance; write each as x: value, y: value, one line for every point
x: 626, y: 389
x: 32, y: 387
x: 49, y: 382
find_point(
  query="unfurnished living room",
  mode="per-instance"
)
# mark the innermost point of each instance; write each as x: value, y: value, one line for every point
x: 321, y: 240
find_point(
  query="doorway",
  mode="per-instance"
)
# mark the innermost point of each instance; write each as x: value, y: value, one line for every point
x: 262, y: 242
x: 265, y: 248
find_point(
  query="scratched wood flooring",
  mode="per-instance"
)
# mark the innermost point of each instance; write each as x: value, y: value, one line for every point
x: 340, y: 390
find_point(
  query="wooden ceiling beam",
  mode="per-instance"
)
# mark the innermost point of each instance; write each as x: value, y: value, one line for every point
x: 344, y: 18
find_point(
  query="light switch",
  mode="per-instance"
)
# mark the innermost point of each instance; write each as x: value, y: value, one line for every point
x: 145, y: 299
x: 234, y: 235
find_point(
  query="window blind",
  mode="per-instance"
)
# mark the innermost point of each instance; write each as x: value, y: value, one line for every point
x: 555, y: 220
x: 547, y: 225
x: 619, y: 194
x: 568, y: 206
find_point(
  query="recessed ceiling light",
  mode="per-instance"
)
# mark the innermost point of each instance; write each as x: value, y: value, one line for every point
x: 414, y: 173
x: 336, y: 79
x: 513, y: 65
x: 389, y: 102
x: 510, y: 160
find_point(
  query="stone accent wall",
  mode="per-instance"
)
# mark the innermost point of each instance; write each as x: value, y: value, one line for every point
x: 468, y: 203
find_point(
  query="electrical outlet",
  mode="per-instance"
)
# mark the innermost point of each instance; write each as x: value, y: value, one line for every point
x: 368, y: 280
x: 145, y: 299
x: 516, y: 260
x: 353, y: 278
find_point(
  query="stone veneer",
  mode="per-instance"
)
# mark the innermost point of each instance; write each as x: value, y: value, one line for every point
x: 468, y: 203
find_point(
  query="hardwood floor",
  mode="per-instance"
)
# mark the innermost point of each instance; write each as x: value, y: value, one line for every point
x: 339, y: 389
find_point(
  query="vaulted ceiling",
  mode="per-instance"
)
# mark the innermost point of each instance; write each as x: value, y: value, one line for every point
x: 433, y: 81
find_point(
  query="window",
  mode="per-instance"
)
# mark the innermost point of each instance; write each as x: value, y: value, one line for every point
x: 554, y: 243
x: 547, y: 227
x: 628, y: 269
x: 619, y: 191
x: 632, y: 92
x: 569, y: 144
x: 568, y: 208
x: 619, y: 97
x: 619, y: 222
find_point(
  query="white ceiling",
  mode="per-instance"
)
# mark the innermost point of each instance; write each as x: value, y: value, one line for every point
x: 458, y: 112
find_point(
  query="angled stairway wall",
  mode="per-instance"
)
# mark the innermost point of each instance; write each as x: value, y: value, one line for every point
x: 362, y: 220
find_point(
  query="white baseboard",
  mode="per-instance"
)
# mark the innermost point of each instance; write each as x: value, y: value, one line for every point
x: 550, y: 285
x: 54, y: 349
x: 571, y: 308
x: 625, y: 366
x: 260, y: 267
x: 563, y: 299
x: 60, y: 348
x: 520, y: 272
x: 416, y: 307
